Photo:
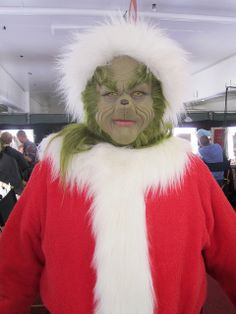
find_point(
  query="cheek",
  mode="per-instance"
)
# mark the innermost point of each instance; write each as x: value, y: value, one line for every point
x: 103, y: 115
x: 145, y: 111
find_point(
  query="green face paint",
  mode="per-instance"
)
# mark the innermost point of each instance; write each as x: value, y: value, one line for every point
x: 124, y: 106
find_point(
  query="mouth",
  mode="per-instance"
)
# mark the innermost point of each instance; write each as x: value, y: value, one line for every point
x: 124, y: 122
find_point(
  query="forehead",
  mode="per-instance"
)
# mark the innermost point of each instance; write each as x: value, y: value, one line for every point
x: 123, y: 68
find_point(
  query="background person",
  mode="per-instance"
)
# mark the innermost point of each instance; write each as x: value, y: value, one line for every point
x: 9, y: 171
x: 23, y: 165
x: 212, y: 154
x: 30, y: 151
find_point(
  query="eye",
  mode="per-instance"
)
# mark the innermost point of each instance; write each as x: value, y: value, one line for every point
x: 138, y: 94
x: 110, y: 94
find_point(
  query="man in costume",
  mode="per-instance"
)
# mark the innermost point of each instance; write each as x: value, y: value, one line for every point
x: 119, y: 217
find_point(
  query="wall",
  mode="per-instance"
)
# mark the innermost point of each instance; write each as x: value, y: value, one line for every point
x: 38, y: 105
x: 214, y: 79
x: 11, y: 93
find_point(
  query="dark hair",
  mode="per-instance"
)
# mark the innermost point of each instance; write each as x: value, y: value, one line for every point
x: 21, y: 133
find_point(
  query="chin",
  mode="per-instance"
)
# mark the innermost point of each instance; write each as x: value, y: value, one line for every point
x: 123, y: 141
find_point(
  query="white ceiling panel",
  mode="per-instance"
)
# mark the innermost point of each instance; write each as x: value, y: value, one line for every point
x: 202, y: 6
x: 88, y: 4
x: 226, y: 7
x: 10, y: 3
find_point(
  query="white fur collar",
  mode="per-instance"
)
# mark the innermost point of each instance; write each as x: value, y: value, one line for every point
x: 117, y: 179
x: 162, y: 165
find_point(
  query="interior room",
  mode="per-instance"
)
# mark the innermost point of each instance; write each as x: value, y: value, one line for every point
x: 33, y: 36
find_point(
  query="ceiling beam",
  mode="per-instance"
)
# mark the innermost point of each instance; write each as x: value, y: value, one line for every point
x: 178, y: 17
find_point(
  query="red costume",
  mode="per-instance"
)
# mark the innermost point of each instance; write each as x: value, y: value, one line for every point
x: 78, y: 248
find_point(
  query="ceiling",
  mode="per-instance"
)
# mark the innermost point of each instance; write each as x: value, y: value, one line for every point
x: 33, y: 32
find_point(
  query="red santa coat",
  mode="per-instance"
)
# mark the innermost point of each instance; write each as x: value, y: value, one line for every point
x: 134, y: 232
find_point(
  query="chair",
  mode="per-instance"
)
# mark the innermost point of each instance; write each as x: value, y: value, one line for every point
x: 221, y: 166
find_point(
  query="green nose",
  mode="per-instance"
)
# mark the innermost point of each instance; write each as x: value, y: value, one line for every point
x: 124, y: 102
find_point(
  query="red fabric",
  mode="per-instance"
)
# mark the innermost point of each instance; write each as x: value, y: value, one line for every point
x: 217, y: 301
x: 48, y: 242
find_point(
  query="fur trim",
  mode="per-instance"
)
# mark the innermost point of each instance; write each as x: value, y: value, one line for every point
x: 141, y: 41
x: 170, y: 158
x: 117, y: 180
x: 50, y: 149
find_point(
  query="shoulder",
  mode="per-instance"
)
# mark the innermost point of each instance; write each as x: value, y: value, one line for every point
x: 218, y: 146
x: 49, y: 151
x: 196, y: 164
x: 5, y: 156
x: 12, y: 151
x: 199, y: 173
x: 50, y: 146
x: 8, y: 161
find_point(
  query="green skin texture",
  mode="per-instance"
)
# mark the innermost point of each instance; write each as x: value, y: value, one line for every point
x: 125, y: 110
x: 123, y: 79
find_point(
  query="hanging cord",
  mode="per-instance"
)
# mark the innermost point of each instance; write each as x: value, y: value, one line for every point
x: 133, y: 11
x: 125, y: 15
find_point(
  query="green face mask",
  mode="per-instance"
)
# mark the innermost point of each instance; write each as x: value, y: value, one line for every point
x: 125, y: 106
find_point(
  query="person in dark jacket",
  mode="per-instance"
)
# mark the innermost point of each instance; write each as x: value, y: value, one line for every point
x: 9, y: 171
x: 30, y: 151
x: 23, y: 165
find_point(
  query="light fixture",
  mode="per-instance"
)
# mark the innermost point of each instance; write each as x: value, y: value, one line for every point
x: 154, y: 7
x: 188, y: 119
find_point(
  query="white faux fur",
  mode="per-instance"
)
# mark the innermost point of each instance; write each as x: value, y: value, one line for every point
x: 117, y: 179
x: 143, y: 42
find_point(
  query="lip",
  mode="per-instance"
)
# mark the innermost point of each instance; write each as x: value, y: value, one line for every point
x: 124, y: 122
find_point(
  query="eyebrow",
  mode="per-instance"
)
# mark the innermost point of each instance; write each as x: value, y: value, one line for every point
x: 139, y: 80
x: 111, y: 85
x: 136, y: 82
x: 143, y: 75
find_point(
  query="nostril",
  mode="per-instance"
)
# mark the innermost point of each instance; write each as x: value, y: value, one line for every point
x: 124, y: 102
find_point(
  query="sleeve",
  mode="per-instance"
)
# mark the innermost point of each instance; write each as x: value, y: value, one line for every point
x: 21, y: 256
x: 14, y: 175
x: 23, y: 165
x: 220, y: 252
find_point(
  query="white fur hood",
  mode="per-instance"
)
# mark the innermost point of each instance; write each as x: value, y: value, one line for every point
x: 142, y: 41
